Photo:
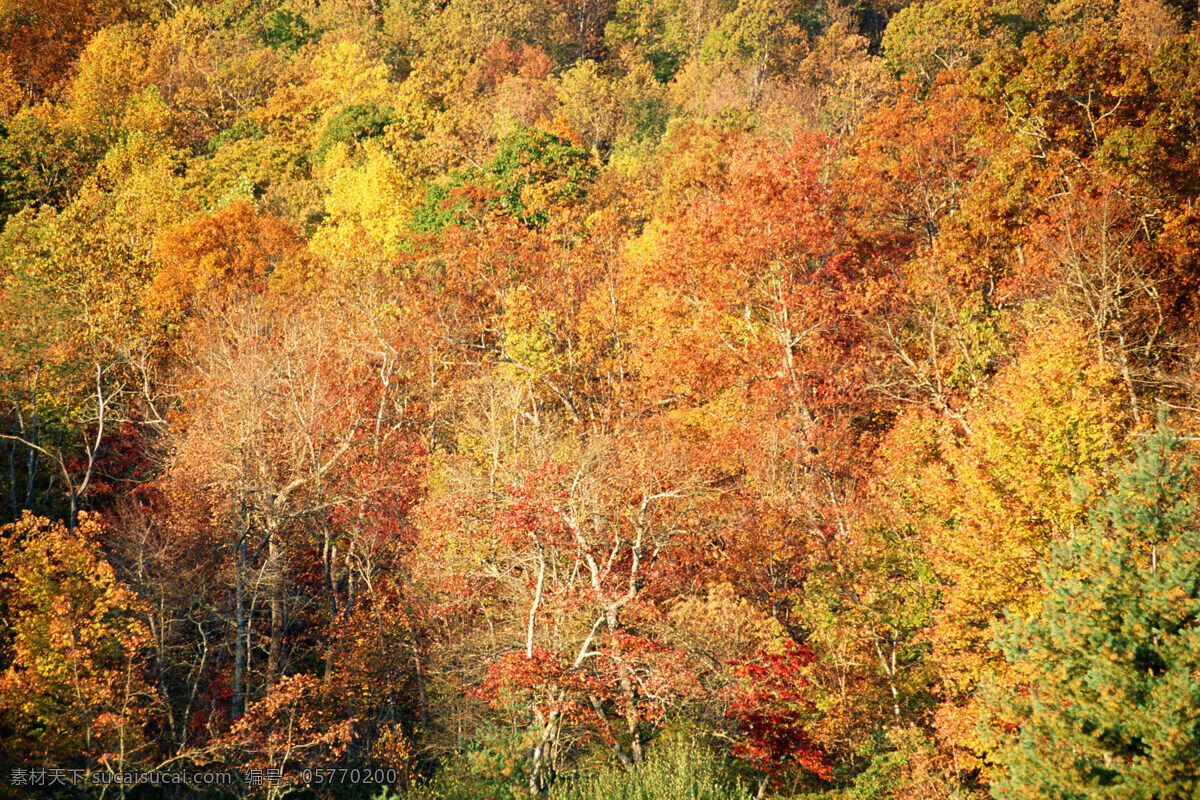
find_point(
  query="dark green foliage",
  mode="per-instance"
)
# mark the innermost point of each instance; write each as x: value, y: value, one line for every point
x: 286, y: 31
x: 440, y: 209
x: 528, y: 158
x: 354, y: 123
x: 494, y: 767
x: 42, y: 162
x: 1109, y: 705
x: 894, y: 755
x: 531, y: 172
x: 242, y: 129
x: 665, y: 64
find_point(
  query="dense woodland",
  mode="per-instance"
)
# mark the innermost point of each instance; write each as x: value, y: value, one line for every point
x: 600, y: 399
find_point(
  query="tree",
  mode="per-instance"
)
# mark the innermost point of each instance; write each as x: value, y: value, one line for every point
x: 112, y: 72
x: 643, y: 31
x: 73, y: 692
x: 205, y: 79
x: 757, y: 40
x: 590, y: 102
x: 44, y: 159
x: 1095, y: 239
x: 568, y: 570
x: 293, y: 728
x: 990, y: 504
x: 1110, y: 662
x: 908, y: 168
x: 213, y: 257
x: 40, y: 40
x: 771, y: 707
x: 75, y: 361
x: 584, y: 20
x: 292, y: 424
x: 926, y: 38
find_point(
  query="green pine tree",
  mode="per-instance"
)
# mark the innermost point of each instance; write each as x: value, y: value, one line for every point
x: 1109, y: 701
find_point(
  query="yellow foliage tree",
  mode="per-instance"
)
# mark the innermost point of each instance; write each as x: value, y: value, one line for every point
x: 73, y: 694
x: 992, y: 501
x: 111, y: 74
x: 374, y: 198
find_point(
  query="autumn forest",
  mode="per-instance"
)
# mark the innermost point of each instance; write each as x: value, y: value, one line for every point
x: 600, y: 399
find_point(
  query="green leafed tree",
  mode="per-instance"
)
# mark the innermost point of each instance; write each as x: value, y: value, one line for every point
x: 1110, y: 702
x: 532, y: 173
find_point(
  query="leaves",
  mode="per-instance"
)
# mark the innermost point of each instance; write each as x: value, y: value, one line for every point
x: 504, y: 389
x: 73, y: 689
x: 772, y: 709
x: 1106, y: 668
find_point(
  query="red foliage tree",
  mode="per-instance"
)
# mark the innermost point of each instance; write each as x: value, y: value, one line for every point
x: 773, y: 712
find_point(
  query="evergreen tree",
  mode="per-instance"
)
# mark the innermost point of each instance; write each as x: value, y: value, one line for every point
x: 1110, y: 702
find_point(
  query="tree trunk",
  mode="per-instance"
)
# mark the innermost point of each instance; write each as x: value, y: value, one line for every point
x: 241, y: 633
x: 275, y: 654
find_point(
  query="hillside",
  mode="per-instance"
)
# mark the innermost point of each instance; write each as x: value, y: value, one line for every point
x: 600, y: 399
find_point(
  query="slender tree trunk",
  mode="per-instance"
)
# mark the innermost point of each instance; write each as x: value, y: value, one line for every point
x: 241, y: 632
x: 12, y: 477
x: 328, y: 556
x: 635, y: 737
x: 624, y: 758
x: 275, y: 654
x: 423, y: 705
x: 31, y: 465
x: 541, y: 771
